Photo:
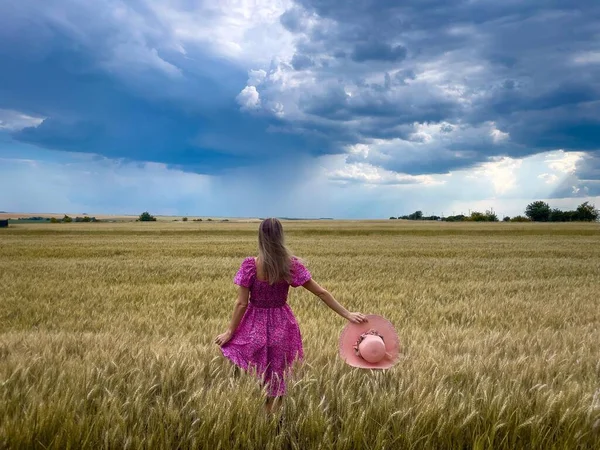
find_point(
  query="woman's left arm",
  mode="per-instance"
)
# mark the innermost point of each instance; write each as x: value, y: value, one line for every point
x: 238, y: 312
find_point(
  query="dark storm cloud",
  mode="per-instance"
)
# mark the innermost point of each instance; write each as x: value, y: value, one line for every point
x: 294, y: 19
x: 153, y: 104
x: 530, y: 68
x: 301, y: 62
x: 373, y: 51
x: 360, y: 72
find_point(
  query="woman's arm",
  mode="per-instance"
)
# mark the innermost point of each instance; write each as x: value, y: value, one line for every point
x: 312, y: 286
x: 238, y: 312
x: 239, y: 308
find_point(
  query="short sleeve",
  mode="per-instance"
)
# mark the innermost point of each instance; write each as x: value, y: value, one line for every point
x: 245, y: 275
x: 300, y: 274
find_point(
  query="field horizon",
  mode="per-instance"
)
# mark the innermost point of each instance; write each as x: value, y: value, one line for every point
x: 118, y: 217
x: 106, y: 336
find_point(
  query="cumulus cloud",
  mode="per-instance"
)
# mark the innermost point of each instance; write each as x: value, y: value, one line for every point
x: 368, y: 174
x: 384, y: 69
x: 249, y: 98
x: 256, y: 77
x: 548, y: 178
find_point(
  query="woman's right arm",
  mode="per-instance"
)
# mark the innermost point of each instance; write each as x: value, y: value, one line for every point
x: 354, y: 317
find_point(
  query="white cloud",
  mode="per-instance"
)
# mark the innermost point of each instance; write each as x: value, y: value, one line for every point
x: 14, y: 120
x: 549, y: 178
x: 501, y: 173
x: 256, y: 77
x: 497, y: 135
x: 565, y: 162
x: 246, y: 31
x: 248, y: 98
x: 368, y: 174
x: 427, y: 148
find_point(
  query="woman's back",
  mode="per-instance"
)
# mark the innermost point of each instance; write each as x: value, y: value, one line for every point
x: 262, y: 293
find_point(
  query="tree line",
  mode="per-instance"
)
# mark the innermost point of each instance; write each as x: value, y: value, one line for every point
x: 537, y: 211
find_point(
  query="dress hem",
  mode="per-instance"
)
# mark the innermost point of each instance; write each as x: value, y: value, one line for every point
x: 230, y: 354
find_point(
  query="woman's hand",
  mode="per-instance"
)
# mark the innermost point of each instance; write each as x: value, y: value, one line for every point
x: 356, y: 317
x: 223, y: 338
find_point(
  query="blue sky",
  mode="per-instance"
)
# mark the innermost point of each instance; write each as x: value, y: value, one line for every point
x: 312, y: 108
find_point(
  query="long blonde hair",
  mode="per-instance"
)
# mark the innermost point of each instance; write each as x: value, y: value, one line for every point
x: 275, y: 256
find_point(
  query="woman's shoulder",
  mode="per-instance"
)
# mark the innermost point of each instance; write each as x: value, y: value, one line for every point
x: 249, y: 262
x: 246, y: 273
x: 248, y: 265
x: 300, y: 274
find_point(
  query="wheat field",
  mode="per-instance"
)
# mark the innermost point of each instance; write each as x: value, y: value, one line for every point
x: 106, y: 337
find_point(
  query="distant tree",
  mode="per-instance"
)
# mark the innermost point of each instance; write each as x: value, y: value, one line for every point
x: 477, y: 216
x: 457, y: 218
x: 556, y: 215
x: 587, y: 212
x: 67, y: 219
x: 86, y: 219
x: 417, y: 215
x: 520, y: 219
x: 185, y: 219
x: 491, y: 216
x: 210, y: 220
x: 538, y: 211
x: 54, y: 220
x: 146, y: 217
x: 488, y: 216
x: 506, y: 219
x: 392, y: 218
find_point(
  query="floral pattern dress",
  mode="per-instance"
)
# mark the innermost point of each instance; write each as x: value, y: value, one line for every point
x: 268, y: 337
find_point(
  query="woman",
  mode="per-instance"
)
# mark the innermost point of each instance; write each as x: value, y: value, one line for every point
x: 263, y: 333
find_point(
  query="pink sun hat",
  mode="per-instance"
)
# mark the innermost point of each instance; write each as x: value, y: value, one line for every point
x: 370, y: 345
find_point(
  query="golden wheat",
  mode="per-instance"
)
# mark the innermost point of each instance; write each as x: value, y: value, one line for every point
x: 106, y: 337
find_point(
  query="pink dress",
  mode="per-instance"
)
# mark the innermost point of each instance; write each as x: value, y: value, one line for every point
x: 268, y: 337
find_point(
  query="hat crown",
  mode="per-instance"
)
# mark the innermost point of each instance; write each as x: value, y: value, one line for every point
x: 370, y: 345
x: 372, y: 349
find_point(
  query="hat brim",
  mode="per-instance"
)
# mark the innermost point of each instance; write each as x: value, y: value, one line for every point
x: 351, y: 333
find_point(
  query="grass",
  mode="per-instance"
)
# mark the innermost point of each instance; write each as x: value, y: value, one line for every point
x: 106, y: 337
